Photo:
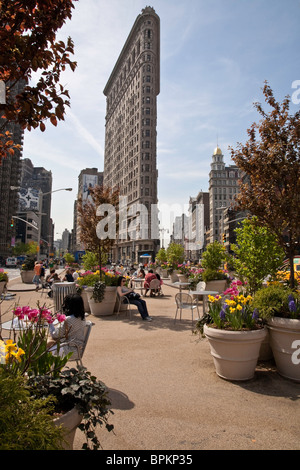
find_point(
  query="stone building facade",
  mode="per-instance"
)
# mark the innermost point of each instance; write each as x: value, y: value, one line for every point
x: 130, y: 162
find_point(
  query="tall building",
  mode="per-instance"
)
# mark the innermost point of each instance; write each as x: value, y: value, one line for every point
x: 130, y: 136
x: 223, y: 186
x: 10, y: 177
x: 33, y: 180
x: 87, y: 179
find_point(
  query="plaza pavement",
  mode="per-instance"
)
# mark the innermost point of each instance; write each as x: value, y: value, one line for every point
x: 165, y: 393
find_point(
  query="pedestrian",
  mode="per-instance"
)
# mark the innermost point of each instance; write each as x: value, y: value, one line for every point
x: 134, y: 298
x: 37, y: 275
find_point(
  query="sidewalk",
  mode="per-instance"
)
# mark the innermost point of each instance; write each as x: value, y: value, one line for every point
x: 165, y: 393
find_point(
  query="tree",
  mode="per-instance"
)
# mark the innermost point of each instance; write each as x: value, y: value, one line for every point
x: 98, y: 220
x: 257, y: 254
x: 28, y: 45
x: 162, y: 256
x: 175, y: 254
x: 271, y: 166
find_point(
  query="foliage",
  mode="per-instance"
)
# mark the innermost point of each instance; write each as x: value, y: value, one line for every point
x: 95, y: 229
x: 25, y: 248
x: 175, y: 255
x: 28, y: 264
x: 98, y: 291
x: 161, y: 256
x: 214, y: 256
x: 70, y: 259
x: 77, y: 387
x: 270, y: 162
x: 235, y: 313
x: 17, y: 410
x: 90, y: 261
x: 27, y: 45
x: 3, y: 275
x: 277, y: 300
x: 257, y: 254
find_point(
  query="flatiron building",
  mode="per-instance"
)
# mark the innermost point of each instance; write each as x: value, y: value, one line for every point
x: 130, y: 160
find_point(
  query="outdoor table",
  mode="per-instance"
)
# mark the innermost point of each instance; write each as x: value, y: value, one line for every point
x: 60, y: 291
x: 138, y: 283
x: 205, y: 294
x: 181, y: 284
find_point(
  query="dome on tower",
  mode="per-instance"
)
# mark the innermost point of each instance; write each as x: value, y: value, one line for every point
x: 218, y: 151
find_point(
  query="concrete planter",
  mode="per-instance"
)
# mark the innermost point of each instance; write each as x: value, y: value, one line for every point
x: 2, y: 286
x: 235, y: 353
x: 219, y: 285
x: 85, y: 298
x: 285, y: 344
x: 27, y: 276
x: 107, y: 306
x: 69, y: 421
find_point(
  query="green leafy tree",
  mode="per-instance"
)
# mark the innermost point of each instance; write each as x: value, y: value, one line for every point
x: 161, y: 256
x: 270, y: 162
x: 175, y: 254
x: 257, y: 253
x: 28, y: 45
x: 212, y: 261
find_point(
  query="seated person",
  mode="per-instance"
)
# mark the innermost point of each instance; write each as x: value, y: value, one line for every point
x: 70, y: 333
x: 148, y: 278
x: 74, y: 274
x: 133, y: 299
x: 68, y: 276
x: 52, y: 277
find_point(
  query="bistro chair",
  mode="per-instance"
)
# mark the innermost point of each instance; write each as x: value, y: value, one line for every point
x: 184, y: 302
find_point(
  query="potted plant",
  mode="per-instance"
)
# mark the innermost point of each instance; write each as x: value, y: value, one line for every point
x: 213, y: 257
x: 175, y: 256
x: 235, y: 333
x: 64, y: 394
x: 183, y: 272
x: 3, y: 280
x: 27, y: 271
x: 101, y: 291
x: 280, y: 307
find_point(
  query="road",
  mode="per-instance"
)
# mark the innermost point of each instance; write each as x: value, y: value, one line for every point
x: 12, y: 272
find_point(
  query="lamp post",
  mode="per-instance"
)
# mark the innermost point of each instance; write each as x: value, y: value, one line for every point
x: 41, y: 195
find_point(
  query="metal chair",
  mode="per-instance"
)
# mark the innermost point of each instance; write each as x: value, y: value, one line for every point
x: 81, y: 348
x: 184, y: 301
x: 155, y: 287
x: 124, y: 302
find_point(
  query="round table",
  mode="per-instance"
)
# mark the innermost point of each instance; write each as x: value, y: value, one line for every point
x: 205, y: 294
x: 60, y: 291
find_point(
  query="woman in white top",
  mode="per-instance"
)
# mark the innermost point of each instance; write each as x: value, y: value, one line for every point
x: 70, y: 333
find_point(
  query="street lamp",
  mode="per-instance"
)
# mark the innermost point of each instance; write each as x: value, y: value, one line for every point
x: 41, y: 195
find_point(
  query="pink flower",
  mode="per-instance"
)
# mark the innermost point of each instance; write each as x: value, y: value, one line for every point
x: 18, y: 313
x: 60, y: 317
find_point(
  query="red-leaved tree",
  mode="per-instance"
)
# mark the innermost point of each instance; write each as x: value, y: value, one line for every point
x: 28, y: 45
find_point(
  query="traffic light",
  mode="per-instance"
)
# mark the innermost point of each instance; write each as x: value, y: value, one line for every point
x: 12, y: 222
x: 224, y: 237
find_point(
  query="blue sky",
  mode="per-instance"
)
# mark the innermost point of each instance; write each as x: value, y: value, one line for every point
x: 215, y: 57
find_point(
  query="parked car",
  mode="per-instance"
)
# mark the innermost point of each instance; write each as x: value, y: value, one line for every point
x: 11, y: 262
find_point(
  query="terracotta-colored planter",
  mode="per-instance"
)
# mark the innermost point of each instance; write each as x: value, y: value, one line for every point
x: 219, y: 285
x: 235, y: 353
x: 85, y: 299
x: 285, y: 344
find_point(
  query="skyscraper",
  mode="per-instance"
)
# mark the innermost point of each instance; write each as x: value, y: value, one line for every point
x: 130, y: 136
x: 223, y: 187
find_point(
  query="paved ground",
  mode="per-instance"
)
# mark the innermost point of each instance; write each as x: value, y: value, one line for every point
x: 164, y: 390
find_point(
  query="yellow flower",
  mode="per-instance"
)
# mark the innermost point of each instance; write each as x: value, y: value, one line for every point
x: 239, y: 307
x: 18, y: 354
x: 10, y: 347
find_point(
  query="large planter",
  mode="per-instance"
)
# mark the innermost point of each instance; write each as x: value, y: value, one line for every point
x: 27, y: 276
x: 107, y: 306
x: 235, y: 353
x: 183, y: 278
x: 69, y: 421
x: 219, y: 285
x: 174, y: 276
x: 285, y: 344
x: 2, y: 286
x: 85, y: 298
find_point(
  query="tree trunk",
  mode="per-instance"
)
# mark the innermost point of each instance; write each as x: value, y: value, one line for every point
x: 292, y: 275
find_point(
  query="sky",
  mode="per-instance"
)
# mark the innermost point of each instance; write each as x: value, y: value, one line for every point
x: 215, y: 57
